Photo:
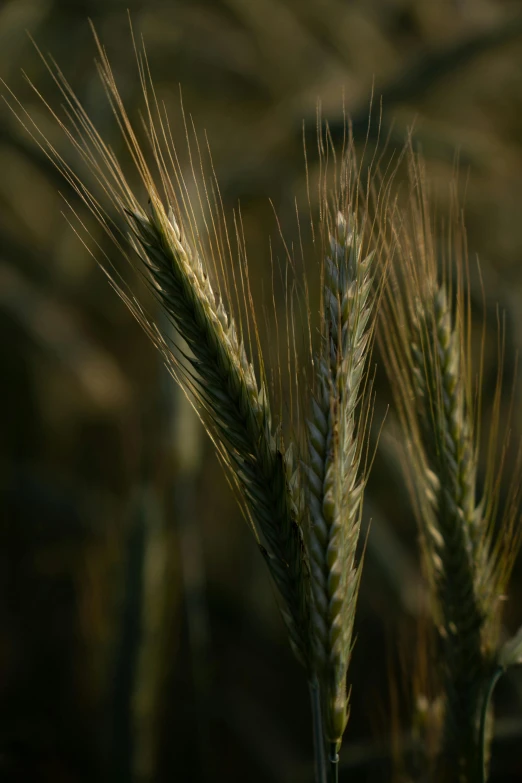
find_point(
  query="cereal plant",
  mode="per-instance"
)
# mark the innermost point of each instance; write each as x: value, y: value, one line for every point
x: 299, y: 472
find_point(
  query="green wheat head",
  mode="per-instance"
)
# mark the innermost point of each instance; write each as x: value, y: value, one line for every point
x: 234, y: 406
x: 335, y: 486
x: 426, y: 343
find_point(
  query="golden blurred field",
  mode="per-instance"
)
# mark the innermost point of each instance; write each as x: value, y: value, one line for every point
x: 139, y: 634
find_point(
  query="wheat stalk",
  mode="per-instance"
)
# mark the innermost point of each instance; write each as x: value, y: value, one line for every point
x: 453, y: 539
x: 215, y: 372
x: 426, y: 345
x: 335, y: 486
x: 237, y: 409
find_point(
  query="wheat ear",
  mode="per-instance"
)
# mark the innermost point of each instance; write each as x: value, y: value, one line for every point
x: 236, y: 408
x: 215, y: 372
x: 426, y: 346
x: 335, y: 487
x: 453, y: 538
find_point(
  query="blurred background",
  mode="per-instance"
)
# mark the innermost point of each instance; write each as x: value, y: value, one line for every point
x: 140, y: 639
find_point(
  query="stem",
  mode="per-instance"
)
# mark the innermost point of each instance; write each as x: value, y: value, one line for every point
x: 319, y: 754
x: 483, y: 720
x: 334, y: 763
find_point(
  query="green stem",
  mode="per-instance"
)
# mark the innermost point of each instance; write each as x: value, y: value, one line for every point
x: 497, y: 674
x: 334, y: 763
x: 319, y: 754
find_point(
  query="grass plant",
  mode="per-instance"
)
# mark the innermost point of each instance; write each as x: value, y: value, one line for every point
x: 468, y: 556
x: 335, y: 485
x: 304, y: 503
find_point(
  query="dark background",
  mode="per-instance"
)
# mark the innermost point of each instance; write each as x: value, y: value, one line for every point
x: 139, y: 634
